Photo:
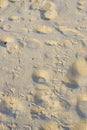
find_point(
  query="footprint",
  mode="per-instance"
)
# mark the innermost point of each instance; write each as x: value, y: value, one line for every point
x: 82, y: 26
x: 48, y: 5
x: 42, y: 95
x: 37, y: 4
x: 35, y: 43
x: 50, y: 14
x: 78, y: 72
x: 11, y: 106
x: 82, y: 105
x: 9, y: 42
x: 70, y: 31
x: 41, y: 76
x: 39, y: 112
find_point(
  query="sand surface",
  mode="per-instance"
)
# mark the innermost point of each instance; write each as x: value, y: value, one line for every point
x: 43, y: 64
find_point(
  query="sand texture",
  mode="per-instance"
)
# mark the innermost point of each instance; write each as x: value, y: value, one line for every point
x: 43, y: 64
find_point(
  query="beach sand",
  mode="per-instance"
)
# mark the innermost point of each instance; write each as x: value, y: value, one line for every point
x: 43, y: 64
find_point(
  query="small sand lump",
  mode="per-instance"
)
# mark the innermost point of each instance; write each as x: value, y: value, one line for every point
x: 44, y: 29
x: 40, y: 76
x: 3, y: 3
x: 49, y: 125
x: 48, y: 5
x: 51, y: 14
x: 51, y: 42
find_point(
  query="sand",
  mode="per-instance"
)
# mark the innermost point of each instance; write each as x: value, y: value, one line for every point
x: 43, y: 64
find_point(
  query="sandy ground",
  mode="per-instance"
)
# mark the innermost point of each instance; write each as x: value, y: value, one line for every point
x: 43, y: 64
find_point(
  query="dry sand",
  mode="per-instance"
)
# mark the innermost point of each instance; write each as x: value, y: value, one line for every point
x: 43, y: 64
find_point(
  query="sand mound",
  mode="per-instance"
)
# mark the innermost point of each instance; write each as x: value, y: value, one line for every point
x: 78, y: 71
